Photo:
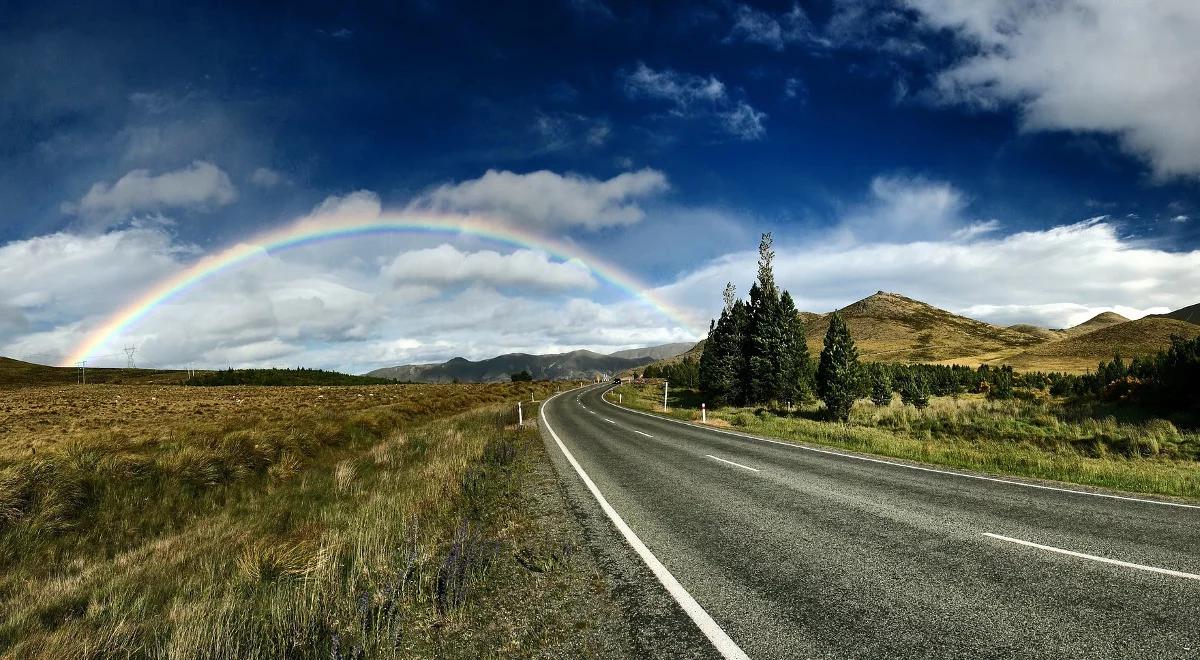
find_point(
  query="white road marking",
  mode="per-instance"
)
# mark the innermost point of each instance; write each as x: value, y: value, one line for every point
x: 1106, y: 560
x: 744, y: 467
x: 719, y: 638
x: 905, y: 465
x: 641, y: 433
x: 608, y: 420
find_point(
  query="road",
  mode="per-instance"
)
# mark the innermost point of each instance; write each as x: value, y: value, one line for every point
x: 771, y: 550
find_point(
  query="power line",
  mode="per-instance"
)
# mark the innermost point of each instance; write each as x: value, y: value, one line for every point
x: 129, y: 351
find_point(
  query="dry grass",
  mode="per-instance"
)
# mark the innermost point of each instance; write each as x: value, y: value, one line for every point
x: 286, y: 525
x: 1079, y: 353
x: 1037, y: 439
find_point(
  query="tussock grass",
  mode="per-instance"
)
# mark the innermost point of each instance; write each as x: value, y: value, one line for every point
x: 1035, y: 438
x: 393, y: 529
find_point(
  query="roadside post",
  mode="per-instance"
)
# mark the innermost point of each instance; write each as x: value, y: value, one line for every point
x: 665, y: 385
x: 520, y: 415
x: 620, y: 398
x: 703, y: 414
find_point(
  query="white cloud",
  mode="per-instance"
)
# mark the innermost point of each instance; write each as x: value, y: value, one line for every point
x: 358, y: 205
x: 1055, y: 277
x: 199, y: 186
x: 265, y: 177
x: 758, y: 26
x: 446, y: 264
x: 1123, y: 68
x: 1180, y: 218
x: 546, y: 199
x: 909, y: 208
x: 694, y: 96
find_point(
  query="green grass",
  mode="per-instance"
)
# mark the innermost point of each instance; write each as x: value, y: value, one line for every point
x: 1021, y: 438
x: 384, y: 532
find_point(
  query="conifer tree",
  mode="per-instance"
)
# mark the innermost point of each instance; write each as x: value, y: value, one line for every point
x: 719, y: 363
x: 837, y: 373
x: 795, y: 366
x: 881, y: 386
x: 914, y: 390
x: 766, y: 341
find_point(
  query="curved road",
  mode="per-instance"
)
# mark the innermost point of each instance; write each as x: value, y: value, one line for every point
x: 802, y: 552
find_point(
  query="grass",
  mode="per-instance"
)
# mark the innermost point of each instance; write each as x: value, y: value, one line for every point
x: 1039, y: 439
x: 374, y: 521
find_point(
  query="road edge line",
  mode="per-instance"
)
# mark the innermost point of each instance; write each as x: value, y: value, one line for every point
x: 713, y: 631
x: 870, y: 459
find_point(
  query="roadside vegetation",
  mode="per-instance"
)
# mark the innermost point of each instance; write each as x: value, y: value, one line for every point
x: 337, y: 522
x: 1125, y: 426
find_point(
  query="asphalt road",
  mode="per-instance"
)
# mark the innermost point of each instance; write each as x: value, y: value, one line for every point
x: 796, y: 552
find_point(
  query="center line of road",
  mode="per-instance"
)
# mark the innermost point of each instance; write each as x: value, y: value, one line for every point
x: 608, y: 420
x: 744, y: 467
x: 641, y: 433
x: 1083, y: 555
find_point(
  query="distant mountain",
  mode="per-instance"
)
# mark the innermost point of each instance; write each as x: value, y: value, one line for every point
x: 1082, y: 351
x: 16, y: 372
x: 561, y: 366
x: 889, y: 327
x: 1101, y: 320
x: 1189, y: 314
x: 1038, y: 331
x: 661, y: 352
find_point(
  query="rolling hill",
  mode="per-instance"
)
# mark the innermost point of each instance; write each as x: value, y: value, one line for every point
x: 660, y: 352
x: 1097, y: 322
x: 562, y: 366
x: 1189, y: 314
x: 16, y: 372
x: 1081, y: 352
x: 889, y: 327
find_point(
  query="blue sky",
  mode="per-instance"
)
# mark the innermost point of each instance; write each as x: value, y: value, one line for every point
x: 1016, y: 161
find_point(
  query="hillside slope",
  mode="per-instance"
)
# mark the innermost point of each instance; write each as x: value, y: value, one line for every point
x: 16, y: 372
x: 1082, y: 352
x: 661, y: 352
x: 560, y: 366
x: 1097, y: 322
x: 1189, y: 314
x: 889, y: 327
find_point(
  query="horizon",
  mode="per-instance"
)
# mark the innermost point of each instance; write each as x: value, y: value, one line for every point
x: 599, y: 176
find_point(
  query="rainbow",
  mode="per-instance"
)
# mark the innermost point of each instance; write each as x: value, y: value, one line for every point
x: 315, y: 230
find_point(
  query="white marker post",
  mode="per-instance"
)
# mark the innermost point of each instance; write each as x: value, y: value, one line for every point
x: 520, y: 415
x: 620, y: 398
x: 665, y: 385
x: 703, y: 414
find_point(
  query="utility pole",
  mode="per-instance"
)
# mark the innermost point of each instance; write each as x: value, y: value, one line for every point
x: 665, y: 384
x: 129, y: 351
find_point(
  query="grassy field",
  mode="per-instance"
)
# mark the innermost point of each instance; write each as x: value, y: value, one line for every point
x: 337, y: 522
x: 1041, y: 439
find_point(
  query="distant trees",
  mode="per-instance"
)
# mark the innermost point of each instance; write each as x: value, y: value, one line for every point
x: 755, y: 352
x: 914, y: 390
x: 838, y: 370
x: 522, y: 376
x: 881, y: 385
x: 682, y: 373
x: 280, y: 377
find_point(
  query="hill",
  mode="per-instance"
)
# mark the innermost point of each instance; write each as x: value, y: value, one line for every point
x: 661, y: 352
x: 889, y: 327
x: 562, y: 366
x: 1189, y: 314
x: 1101, y: 320
x: 1038, y: 331
x: 16, y: 372
x: 1081, y: 352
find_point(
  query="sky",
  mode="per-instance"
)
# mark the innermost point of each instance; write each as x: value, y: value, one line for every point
x: 1017, y: 161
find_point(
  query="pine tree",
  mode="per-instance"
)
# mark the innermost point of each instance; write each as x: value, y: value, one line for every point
x: 766, y: 334
x: 881, y: 387
x: 837, y: 373
x: 720, y: 362
x: 795, y: 366
x: 914, y: 390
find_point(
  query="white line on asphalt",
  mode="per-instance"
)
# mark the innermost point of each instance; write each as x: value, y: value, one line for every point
x: 608, y: 420
x: 1082, y: 555
x: 726, y: 646
x: 904, y: 465
x: 641, y: 433
x: 744, y: 467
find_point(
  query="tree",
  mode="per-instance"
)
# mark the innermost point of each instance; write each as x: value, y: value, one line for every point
x: 720, y: 363
x: 837, y: 373
x: 795, y: 367
x: 522, y: 376
x: 765, y: 340
x: 914, y: 390
x: 881, y: 386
